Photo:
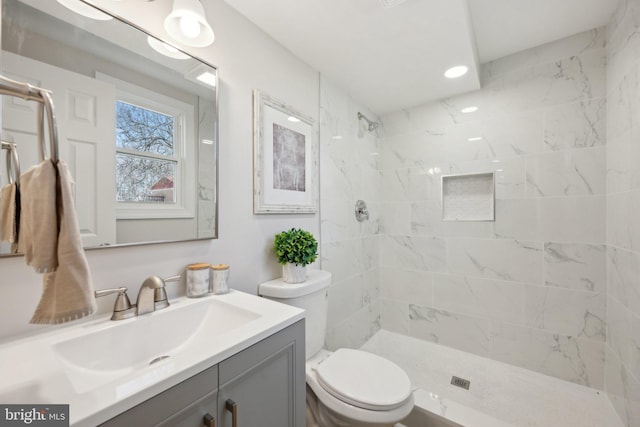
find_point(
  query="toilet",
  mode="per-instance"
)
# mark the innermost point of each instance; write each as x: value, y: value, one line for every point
x: 346, y: 387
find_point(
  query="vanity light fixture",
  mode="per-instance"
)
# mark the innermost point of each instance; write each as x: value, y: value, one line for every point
x: 85, y: 10
x: 165, y: 49
x: 457, y: 71
x: 471, y: 109
x: 187, y: 24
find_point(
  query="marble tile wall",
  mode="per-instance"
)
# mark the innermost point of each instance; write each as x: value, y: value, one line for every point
x: 530, y: 288
x: 622, y: 373
x: 349, y: 171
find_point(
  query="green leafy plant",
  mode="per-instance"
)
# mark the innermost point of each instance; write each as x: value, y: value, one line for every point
x: 296, y: 246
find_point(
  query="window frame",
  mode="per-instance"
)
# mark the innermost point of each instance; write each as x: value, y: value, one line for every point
x: 184, y: 152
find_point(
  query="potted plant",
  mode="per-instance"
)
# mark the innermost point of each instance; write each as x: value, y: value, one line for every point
x: 295, y: 248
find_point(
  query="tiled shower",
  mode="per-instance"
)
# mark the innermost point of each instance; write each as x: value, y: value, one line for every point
x: 553, y: 284
x: 529, y: 287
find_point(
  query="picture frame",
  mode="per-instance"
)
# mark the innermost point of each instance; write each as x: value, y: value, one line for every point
x: 285, y: 158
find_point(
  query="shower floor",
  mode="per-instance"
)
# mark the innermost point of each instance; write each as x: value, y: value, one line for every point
x: 513, y: 395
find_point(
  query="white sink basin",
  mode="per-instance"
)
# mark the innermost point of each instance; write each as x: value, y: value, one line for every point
x: 102, y: 367
x: 96, y: 358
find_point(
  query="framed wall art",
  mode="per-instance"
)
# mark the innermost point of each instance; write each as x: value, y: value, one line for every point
x: 285, y: 158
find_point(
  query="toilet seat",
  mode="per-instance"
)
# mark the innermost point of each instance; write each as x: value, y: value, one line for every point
x: 364, y: 380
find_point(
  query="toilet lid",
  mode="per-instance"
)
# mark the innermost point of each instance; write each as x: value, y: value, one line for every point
x: 363, y: 379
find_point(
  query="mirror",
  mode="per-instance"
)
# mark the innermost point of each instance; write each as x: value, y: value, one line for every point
x: 137, y: 122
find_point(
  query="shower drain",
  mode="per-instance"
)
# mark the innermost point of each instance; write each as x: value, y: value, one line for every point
x: 460, y: 382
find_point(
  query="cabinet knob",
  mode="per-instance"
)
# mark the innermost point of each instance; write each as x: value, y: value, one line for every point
x: 232, y: 407
x: 209, y: 421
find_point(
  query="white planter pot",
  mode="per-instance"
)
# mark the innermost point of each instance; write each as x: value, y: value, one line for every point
x: 292, y: 273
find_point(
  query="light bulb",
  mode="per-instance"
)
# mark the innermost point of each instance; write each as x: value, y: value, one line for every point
x: 190, y: 26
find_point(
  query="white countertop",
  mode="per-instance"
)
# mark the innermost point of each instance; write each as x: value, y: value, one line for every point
x: 31, y: 372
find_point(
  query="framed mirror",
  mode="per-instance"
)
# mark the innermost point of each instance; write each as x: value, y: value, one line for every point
x: 137, y: 122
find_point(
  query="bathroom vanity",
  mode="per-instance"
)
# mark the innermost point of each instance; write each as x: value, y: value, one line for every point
x: 197, y: 362
x: 259, y: 386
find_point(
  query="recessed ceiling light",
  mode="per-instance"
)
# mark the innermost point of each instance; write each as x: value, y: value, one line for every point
x: 293, y: 119
x: 457, y: 71
x: 474, y: 138
x: 202, y: 74
x: 471, y: 109
x: 207, y: 78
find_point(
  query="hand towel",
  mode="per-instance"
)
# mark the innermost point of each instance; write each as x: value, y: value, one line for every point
x: 68, y: 291
x: 39, y: 224
x: 8, y: 227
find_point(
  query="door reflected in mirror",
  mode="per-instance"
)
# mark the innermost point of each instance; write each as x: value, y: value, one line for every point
x: 137, y: 122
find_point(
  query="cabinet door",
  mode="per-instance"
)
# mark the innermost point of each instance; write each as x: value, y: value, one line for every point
x: 266, y: 382
x: 183, y: 405
x: 194, y: 415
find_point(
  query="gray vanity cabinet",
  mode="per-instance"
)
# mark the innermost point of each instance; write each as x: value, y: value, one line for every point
x: 266, y: 382
x: 264, y: 385
x: 184, y: 404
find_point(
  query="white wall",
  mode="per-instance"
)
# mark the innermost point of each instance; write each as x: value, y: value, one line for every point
x: 529, y: 288
x: 623, y: 221
x: 247, y: 59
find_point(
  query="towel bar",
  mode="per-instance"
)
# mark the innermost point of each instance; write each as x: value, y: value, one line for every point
x: 12, y: 162
x: 42, y: 96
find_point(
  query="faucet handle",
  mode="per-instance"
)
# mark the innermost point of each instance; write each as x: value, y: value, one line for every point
x: 122, y: 306
x: 160, y: 295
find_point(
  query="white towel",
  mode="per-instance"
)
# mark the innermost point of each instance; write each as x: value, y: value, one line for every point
x: 68, y: 292
x: 9, y: 225
x: 39, y: 225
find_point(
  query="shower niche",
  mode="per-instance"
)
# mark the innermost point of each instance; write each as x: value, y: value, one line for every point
x: 468, y: 197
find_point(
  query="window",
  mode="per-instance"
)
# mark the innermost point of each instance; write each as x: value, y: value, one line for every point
x: 155, y: 152
x: 146, y: 163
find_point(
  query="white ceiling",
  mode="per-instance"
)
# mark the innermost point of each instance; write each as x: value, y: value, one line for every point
x: 390, y: 58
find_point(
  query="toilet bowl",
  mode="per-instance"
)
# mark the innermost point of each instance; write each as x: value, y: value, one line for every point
x: 346, y: 387
x: 356, y: 388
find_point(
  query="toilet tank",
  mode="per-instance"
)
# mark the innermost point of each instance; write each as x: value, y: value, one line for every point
x: 312, y: 296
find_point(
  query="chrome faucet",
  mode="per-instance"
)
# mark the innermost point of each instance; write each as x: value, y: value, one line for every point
x: 146, y: 295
